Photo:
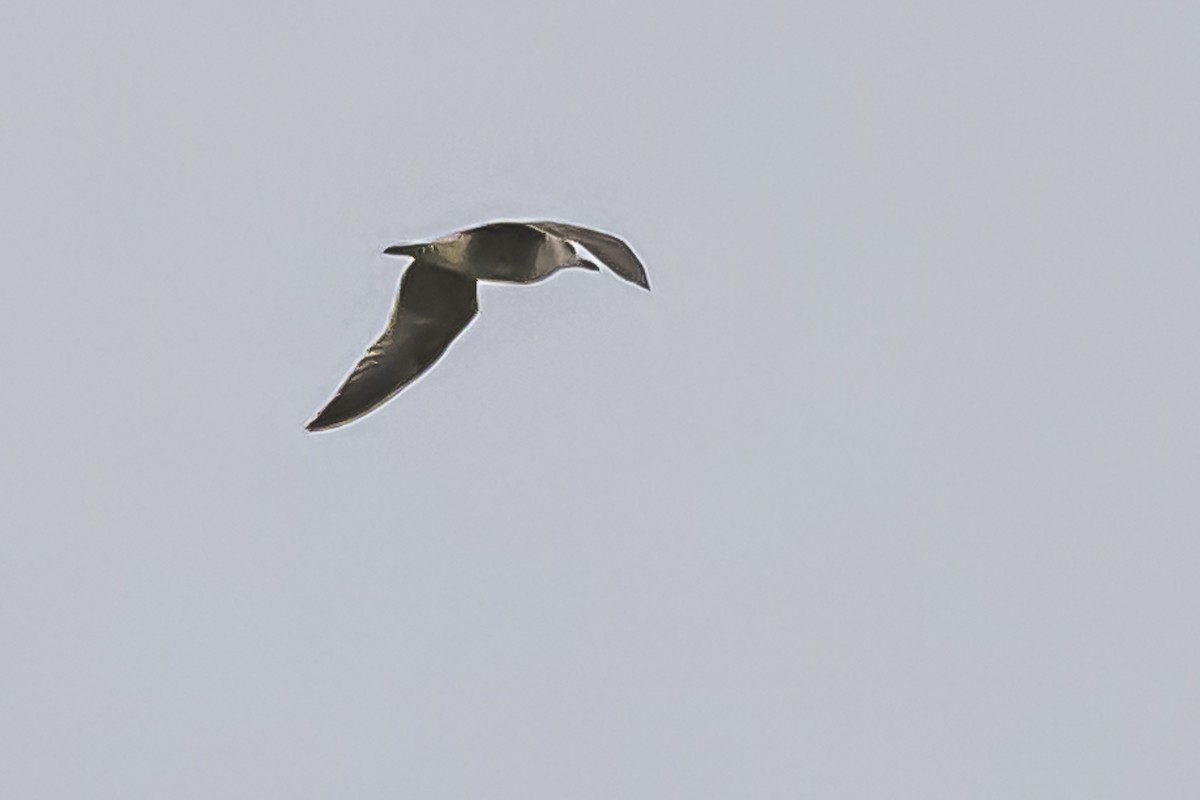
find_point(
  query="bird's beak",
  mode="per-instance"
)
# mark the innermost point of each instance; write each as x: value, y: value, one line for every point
x: 403, y: 250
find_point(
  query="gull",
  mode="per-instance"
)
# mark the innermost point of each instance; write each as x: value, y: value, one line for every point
x: 437, y: 299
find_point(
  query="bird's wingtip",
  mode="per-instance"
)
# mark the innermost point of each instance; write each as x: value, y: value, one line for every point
x: 320, y: 423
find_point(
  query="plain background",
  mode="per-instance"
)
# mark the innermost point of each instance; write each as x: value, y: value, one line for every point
x: 888, y: 490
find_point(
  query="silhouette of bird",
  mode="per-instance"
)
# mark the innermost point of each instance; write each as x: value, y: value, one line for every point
x: 437, y: 299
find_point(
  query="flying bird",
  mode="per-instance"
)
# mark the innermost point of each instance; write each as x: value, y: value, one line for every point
x: 437, y: 299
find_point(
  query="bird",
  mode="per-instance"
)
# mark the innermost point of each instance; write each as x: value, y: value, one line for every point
x: 437, y: 299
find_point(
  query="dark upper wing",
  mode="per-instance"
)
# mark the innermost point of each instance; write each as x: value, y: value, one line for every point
x: 432, y: 308
x: 615, y: 254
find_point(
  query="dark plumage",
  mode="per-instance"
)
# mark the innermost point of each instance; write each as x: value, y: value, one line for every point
x: 437, y: 299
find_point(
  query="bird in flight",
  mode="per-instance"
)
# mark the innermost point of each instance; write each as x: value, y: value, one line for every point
x: 437, y: 299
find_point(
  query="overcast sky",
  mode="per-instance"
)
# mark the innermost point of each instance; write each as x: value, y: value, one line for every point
x: 889, y: 489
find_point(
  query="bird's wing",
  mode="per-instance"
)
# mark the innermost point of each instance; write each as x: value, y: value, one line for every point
x: 615, y: 254
x: 432, y: 307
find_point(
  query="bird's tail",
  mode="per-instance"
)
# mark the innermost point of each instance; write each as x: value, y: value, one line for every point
x: 411, y: 250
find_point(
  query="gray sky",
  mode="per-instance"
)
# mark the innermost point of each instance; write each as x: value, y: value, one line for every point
x: 889, y: 489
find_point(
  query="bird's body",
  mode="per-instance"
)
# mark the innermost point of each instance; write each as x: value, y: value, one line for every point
x: 507, y: 252
x: 438, y: 299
